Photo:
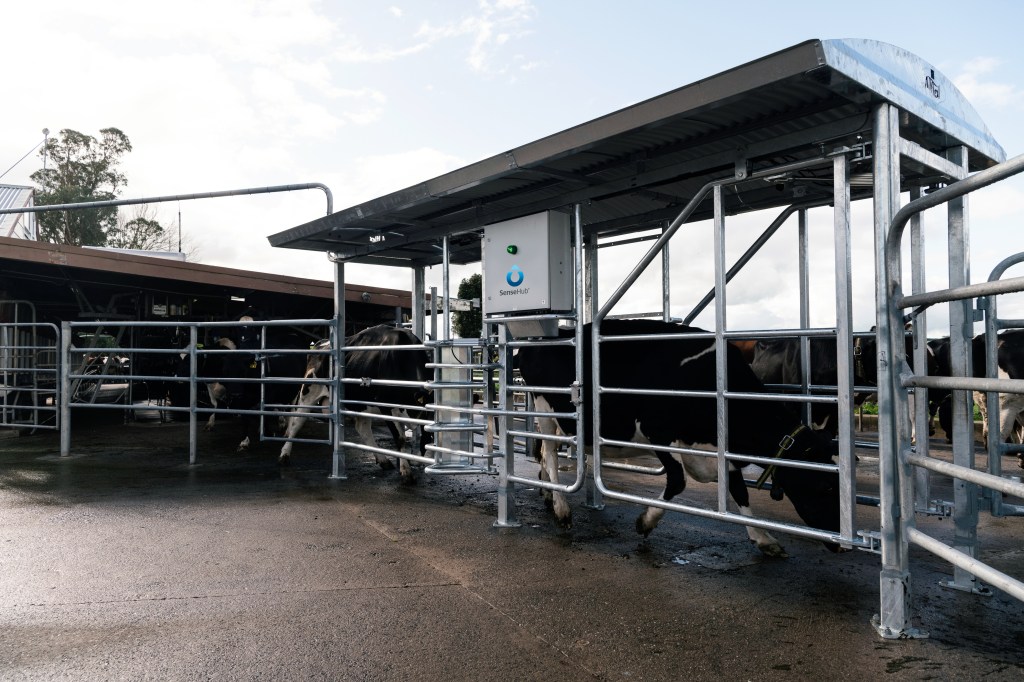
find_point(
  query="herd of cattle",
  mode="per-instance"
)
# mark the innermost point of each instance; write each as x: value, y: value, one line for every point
x: 683, y: 425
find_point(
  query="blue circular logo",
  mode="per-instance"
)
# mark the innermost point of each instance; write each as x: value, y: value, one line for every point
x: 515, y: 276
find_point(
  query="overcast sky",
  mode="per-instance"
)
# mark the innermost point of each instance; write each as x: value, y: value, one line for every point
x: 370, y: 97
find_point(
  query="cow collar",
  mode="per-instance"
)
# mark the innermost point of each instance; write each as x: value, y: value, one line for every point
x: 784, y: 445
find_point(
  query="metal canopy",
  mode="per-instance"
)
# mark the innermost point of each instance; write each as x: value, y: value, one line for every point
x: 636, y: 168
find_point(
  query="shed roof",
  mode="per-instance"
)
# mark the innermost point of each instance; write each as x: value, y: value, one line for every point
x: 16, y: 224
x: 64, y: 265
x: 637, y: 167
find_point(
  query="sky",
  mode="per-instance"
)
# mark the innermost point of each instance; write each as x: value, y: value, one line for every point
x: 369, y: 98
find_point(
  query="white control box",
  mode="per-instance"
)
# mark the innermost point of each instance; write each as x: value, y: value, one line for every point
x: 527, y: 265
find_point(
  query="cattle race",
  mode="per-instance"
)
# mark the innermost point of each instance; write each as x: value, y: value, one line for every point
x: 841, y: 434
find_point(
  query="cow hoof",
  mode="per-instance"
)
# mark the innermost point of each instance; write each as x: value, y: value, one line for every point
x: 385, y: 464
x: 775, y: 551
x: 564, y: 522
x: 284, y: 460
x: 642, y: 527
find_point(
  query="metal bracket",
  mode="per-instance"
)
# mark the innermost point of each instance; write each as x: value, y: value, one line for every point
x: 937, y: 508
x: 873, y: 539
x: 742, y: 167
x: 576, y: 393
x: 888, y: 633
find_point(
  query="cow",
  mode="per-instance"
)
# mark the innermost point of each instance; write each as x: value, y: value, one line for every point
x: 232, y: 370
x: 1010, y: 365
x: 760, y: 428
x: 777, y: 361
x: 367, y: 365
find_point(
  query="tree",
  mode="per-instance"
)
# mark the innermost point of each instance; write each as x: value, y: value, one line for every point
x: 469, y: 324
x: 80, y: 168
x: 141, y: 231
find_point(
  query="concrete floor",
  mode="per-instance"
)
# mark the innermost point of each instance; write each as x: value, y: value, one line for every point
x: 123, y: 562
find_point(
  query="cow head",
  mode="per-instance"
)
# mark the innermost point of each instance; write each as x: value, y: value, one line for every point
x: 814, y: 494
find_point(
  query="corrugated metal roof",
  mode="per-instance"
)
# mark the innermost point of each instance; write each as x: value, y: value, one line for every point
x: 19, y: 225
x: 638, y: 167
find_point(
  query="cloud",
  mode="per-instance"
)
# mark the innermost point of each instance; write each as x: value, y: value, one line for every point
x: 495, y: 25
x: 974, y: 81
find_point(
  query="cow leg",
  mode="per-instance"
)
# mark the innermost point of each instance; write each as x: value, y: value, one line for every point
x: 309, y: 400
x: 364, y: 429
x: 1010, y: 405
x: 398, y: 433
x: 675, y: 483
x: 218, y: 398
x: 761, y: 538
x: 979, y: 400
x: 555, y: 499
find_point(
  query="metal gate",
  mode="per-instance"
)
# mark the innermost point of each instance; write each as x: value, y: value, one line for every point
x: 127, y: 367
x: 28, y: 369
x: 899, y: 459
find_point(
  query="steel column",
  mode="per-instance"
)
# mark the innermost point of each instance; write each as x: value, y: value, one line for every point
x: 922, y: 423
x: 844, y: 346
x: 893, y: 619
x: 338, y: 470
x: 961, y: 334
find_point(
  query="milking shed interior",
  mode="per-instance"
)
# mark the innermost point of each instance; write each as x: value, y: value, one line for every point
x: 819, y: 124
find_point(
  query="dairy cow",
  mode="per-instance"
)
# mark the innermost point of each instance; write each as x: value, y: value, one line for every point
x: 234, y: 369
x: 368, y: 365
x: 760, y: 428
x: 1010, y: 365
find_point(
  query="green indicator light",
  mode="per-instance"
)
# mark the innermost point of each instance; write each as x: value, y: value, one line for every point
x: 512, y: 248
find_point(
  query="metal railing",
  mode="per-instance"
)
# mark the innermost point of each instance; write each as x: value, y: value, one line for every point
x: 104, y: 373
x: 898, y: 483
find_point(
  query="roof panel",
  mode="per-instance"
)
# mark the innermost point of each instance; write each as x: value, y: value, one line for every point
x: 642, y: 164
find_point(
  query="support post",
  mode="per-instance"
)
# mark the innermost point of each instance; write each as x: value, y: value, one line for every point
x: 507, y: 464
x: 844, y: 346
x: 922, y: 477
x: 337, y: 387
x: 961, y: 334
x: 893, y: 620
x: 64, y: 394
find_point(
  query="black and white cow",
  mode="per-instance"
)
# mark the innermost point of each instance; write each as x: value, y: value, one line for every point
x: 767, y: 429
x: 367, y: 365
x: 777, y: 361
x: 1010, y: 365
x: 234, y: 367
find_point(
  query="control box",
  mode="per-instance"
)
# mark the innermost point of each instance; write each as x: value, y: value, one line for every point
x: 527, y: 265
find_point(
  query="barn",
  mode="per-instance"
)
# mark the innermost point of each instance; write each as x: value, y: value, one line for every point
x: 141, y: 303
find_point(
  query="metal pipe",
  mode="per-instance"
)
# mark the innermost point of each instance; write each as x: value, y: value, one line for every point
x: 1003, y: 485
x: 967, y: 563
x: 949, y: 192
x: 176, y: 197
x: 749, y: 253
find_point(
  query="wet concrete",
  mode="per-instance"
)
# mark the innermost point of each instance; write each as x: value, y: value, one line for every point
x: 124, y: 562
